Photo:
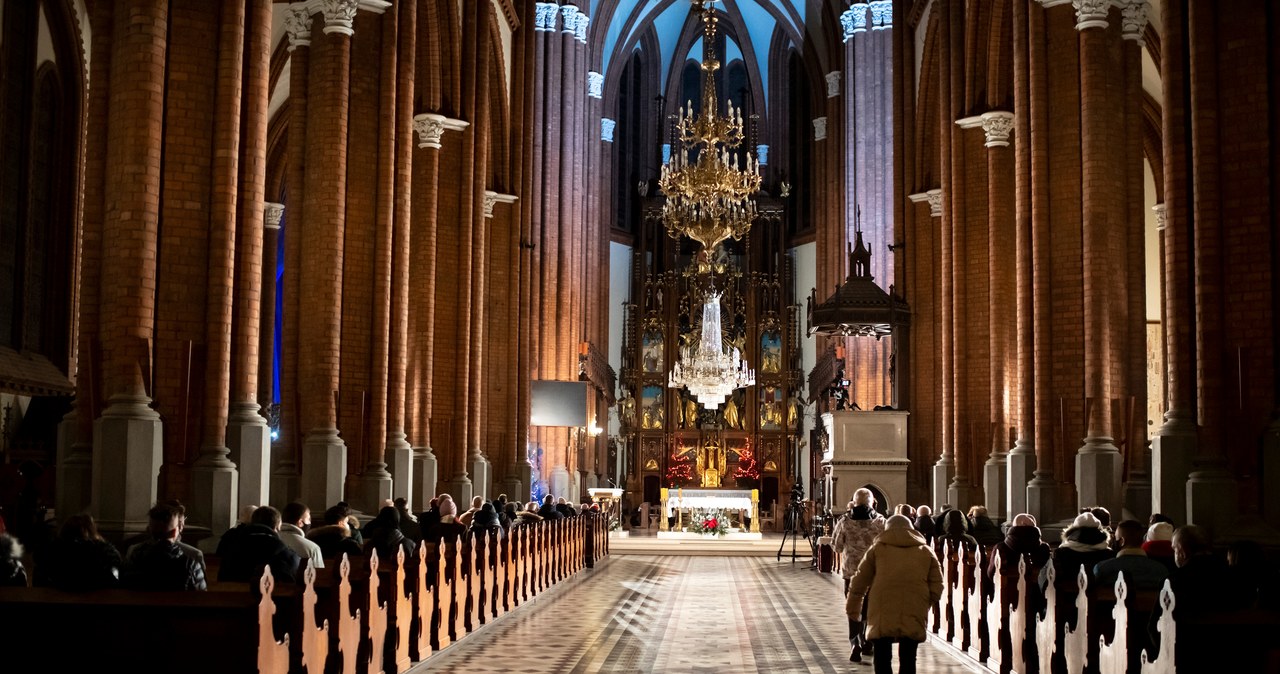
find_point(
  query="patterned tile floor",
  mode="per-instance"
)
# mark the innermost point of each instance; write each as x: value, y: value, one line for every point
x: 676, y: 614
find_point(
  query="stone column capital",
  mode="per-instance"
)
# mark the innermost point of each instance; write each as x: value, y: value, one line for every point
x: 297, y: 24
x: 339, y: 15
x: 762, y: 154
x: 997, y: 125
x: 544, y: 18
x: 580, y: 27
x: 1091, y: 13
x: 491, y: 198
x: 431, y: 128
x: 933, y: 197
x: 595, y: 84
x: 1162, y: 216
x: 606, y: 129
x: 833, y: 84
x: 569, y: 15
x: 1133, y: 19
x: 273, y: 213
x: 854, y: 20
x: 881, y: 14
x: 820, y: 128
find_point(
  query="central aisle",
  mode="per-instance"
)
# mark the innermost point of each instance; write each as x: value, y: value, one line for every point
x: 676, y: 614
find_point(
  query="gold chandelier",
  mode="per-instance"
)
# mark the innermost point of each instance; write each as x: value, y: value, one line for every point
x: 709, y: 197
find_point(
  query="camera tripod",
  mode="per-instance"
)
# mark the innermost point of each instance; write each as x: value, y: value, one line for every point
x: 795, y: 523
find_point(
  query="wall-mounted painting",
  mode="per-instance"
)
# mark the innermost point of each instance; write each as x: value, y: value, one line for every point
x: 652, y: 351
x: 652, y: 415
x: 771, y: 351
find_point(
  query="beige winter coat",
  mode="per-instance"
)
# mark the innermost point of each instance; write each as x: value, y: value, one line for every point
x: 905, y: 581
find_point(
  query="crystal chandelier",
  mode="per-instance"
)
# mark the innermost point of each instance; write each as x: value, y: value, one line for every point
x: 711, y: 372
x: 708, y: 196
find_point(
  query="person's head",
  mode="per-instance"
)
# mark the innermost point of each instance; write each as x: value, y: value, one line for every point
x: 1160, y: 531
x: 389, y: 516
x: 954, y: 523
x: 402, y: 504
x: 899, y: 522
x: 905, y: 510
x: 476, y: 502
x: 79, y: 527
x: 267, y: 517
x: 1190, y: 541
x: 977, y: 511
x: 502, y: 499
x: 10, y: 547
x: 924, y: 511
x: 1130, y: 533
x: 1102, y: 514
x: 337, y: 515
x: 1159, y: 517
x: 1085, y: 520
x: 447, y: 507
x: 1024, y: 520
x: 434, y: 503
x: 862, y: 497
x: 511, y: 509
x: 163, y: 522
x: 245, y: 515
x: 181, y: 511
x: 561, y: 501
x: 548, y: 500
x: 297, y: 514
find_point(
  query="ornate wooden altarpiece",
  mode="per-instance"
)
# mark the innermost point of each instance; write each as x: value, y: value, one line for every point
x: 662, y: 426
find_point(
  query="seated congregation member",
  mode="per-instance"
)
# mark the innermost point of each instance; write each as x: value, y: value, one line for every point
x: 906, y: 510
x: 1141, y: 573
x: 500, y: 507
x: 476, y: 502
x: 448, y: 528
x: 509, y: 517
x: 955, y: 528
x: 78, y: 559
x: 1021, y: 542
x: 1084, y: 543
x: 12, y: 572
x: 529, y: 514
x: 903, y: 579
x: 982, y: 528
x: 855, y: 533
x: 408, y: 523
x: 548, y: 511
x: 260, y: 546
x: 924, y: 522
x: 486, y: 519
x: 243, y: 520
x: 159, y: 564
x: 383, y: 535
x: 334, y: 537
x: 1159, y: 544
x: 294, y: 522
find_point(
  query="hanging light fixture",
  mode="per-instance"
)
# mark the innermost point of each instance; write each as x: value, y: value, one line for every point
x: 710, y: 371
x: 708, y: 195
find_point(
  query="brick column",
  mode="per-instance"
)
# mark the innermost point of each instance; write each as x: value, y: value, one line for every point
x: 1210, y: 486
x: 324, y: 453
x: 400, y: 452
x: 944, y: 470
x: 375, y: 481
x: 478, y: 464
x: 997, y: 126
x: 1175, y: 442
x: 1021, y: 461
x: 127, y: 437
x: 248, y: 436
x: 272, y: 218
x: 75, y: 475
x: 285, y: 480
x: 1042, y: 491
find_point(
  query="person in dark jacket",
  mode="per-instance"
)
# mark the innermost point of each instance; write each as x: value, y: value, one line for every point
x: 924, y: 523
x: 12, y: 572
x: 548, y: 510
x: 485, y: 519
x: 1021, y: 542
x: 160, y: 564
x: 383, y: 534
x: 982, y: 528
x: 408, y: 523
x: 1084, y: 543
x: 334, y: 537
x: 956, y: 528
x: 260, y: 546
x: 78, y: 559
x: 1141, y: 573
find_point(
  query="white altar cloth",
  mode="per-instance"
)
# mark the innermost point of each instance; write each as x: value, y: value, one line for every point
x: 708, y: 499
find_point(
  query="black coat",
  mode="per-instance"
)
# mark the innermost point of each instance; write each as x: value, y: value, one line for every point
x: 161, y: 565
x: 255, y: 547
x: 78, y: 565
x: 334, y: 541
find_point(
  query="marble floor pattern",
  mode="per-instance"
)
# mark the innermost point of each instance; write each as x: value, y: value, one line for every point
x: 676, y: 614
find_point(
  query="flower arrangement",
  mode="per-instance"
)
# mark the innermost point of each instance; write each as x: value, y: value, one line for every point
x: 708, y: 523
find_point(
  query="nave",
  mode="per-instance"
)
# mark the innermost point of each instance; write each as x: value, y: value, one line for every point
x: 677, y: 614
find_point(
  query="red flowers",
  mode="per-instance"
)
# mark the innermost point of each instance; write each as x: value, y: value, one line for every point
x: 710, y: 523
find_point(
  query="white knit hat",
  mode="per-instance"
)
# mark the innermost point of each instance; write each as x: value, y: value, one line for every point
x: 1160, y: 531
x: 1086, y: 520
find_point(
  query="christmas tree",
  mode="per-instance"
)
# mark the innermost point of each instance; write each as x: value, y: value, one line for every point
x: 679, y: 470
x: 747, y: 469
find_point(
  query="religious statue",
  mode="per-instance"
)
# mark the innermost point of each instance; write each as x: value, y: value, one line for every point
x: 690, y: 412
x: 627, y: 409
x: 793, y: 410
x: 652, y: 352
x: 711, y: 463
x: 770, y: 410
x: 732, y: 415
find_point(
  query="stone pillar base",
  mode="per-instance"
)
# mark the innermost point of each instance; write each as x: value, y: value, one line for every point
x: 285, y: 483
x: 1020, y: 469
x: 1042, y: 498
x: 520, y: 481
x: 1211, y: 499
x: 75, y: 469
x: 128, y: 441
x: 962, y: 494
x: 481, y: 471
x: 1099, y: 474
x: 249, y: 439
x: 400, y: 456
x: 424, y: 476
x: 1137, y: 497
x: 943, y: 472
x: 324, y: 468
x: 995, y: 482
x: 460, y: 488
x: 558, y: 482
x: 1172, y: 452
x: 214, y: 496
x: 375, y: 488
